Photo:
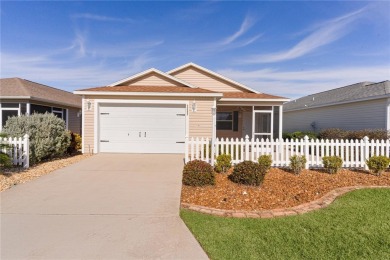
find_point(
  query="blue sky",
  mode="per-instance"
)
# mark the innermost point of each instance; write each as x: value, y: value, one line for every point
x: 284, y: 48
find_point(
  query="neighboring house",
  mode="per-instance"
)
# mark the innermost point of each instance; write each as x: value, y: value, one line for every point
x: 153, y: 111
x: 364, y: 105
x: 20, y: 97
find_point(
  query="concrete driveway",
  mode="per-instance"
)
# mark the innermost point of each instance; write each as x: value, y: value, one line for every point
x: 109, y: 206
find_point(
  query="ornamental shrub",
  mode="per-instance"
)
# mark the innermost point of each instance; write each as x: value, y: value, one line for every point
x: 5, y: 160
x: 265, y: 162
x: 247, y: 173
x: 297, y: 163
x: 224, y: 162
x: 336, y: 133
x: 378, y: 164
x: 198, y: 173
x: 48, y: 135
x: 75, y: 143
x: 299, y: 135
x: 332, y: 164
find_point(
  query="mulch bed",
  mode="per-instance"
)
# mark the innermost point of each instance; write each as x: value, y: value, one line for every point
x: 280, y: 189
x: 16, y: 176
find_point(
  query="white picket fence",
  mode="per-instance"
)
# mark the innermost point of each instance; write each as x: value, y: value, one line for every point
x: 19, y: 150
x: 353, y: 152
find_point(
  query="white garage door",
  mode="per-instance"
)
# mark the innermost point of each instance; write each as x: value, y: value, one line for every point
x: 136, y: 128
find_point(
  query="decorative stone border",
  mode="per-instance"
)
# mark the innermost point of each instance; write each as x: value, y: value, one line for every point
x: 320, y: 203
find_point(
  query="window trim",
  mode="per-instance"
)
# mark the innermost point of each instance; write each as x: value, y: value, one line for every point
x: 7, y: 108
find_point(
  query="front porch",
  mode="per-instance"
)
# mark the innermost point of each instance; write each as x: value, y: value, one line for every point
x: 261, y: 120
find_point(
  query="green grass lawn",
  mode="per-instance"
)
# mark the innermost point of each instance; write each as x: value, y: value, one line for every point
x: 355, y: 226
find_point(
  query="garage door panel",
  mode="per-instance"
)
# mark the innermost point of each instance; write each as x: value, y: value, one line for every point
x: 142, y: 128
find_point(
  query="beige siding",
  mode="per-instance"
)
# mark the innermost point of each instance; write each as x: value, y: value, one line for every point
x: 152, y: 79
x: 74, y: 122
x: 200, y: 122
x: 88, y: 127
x: 204, y: 80
x: 352, y: 116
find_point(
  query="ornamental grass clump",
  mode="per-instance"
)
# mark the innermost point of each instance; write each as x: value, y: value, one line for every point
x: 265, y: 163
x: 378, y: 164
x: 47, y: 133
x: 297, y: 163
x: 198, y: 173
x: 224, y: 163
x: 247, y: 173
x: 332, y: 164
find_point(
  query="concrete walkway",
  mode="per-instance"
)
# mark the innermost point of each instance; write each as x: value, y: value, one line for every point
x: 109, y: 206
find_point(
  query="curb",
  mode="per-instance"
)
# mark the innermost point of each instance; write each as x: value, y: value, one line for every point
x: 320, y: 203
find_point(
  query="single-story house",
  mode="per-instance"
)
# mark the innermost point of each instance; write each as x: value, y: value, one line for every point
x: 20, y: 96
x: 364, y: 105
x: 154, y: 111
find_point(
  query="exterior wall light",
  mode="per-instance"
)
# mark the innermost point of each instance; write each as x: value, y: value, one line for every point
x: 193, y: 106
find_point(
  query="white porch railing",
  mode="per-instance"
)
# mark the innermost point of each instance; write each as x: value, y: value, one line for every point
x: 19, y: 150
x: 353, y: 152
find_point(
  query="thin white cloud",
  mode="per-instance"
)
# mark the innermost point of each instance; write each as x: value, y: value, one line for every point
x: 79, y: 43
x: 248, y: 22
x: 299, y: 83
x: 323, y: 34
x: 101, y: 18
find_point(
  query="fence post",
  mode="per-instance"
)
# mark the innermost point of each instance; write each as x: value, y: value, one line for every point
x: 366, y: 152
x: 246, y: 148
x: 212, y: 151
x: 306, y: 138
x: 186, y: 150
x: 26, y: 148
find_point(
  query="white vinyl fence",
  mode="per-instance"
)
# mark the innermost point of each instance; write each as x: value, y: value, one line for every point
x: 353, y: 152
x: 18, y: 150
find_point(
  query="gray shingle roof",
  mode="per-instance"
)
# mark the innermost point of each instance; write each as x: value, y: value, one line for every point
x: 17, y: 87
x: 358, y: 91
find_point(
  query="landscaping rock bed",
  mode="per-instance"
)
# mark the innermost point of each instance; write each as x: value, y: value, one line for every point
x: 19, y: 175
x: 280, y: 189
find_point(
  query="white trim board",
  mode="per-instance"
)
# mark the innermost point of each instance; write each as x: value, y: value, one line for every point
x: 254, y: 99
x: 157, y: 94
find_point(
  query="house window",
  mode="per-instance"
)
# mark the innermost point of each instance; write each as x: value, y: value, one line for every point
x: 8, y: 110
x: 58, y: 112
x: 5, y: 114
x: 40, y: 109
x: 224, y: 120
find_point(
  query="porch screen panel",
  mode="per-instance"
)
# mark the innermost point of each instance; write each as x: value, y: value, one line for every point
x: 263, y: 122
x: 276, y: 122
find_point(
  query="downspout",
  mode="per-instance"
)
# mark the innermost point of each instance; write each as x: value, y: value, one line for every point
x: 214, y: 130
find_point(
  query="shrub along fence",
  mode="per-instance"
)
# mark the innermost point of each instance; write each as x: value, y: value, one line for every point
x: 353, y: 152
x: 18, y: 150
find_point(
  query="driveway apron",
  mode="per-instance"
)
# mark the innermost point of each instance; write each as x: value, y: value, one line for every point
x: 109, y: 206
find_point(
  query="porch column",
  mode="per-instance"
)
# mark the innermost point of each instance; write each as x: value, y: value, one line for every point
x: 28, y: 108
x: 280, y: 122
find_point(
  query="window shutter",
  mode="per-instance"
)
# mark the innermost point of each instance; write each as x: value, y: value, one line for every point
x: 235, y: 121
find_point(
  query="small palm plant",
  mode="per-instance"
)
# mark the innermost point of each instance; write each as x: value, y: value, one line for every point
x: 5, y: 160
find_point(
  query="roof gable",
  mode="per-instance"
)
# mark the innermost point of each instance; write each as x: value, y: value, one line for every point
x: 208, y: 79
x: 151, y: 77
